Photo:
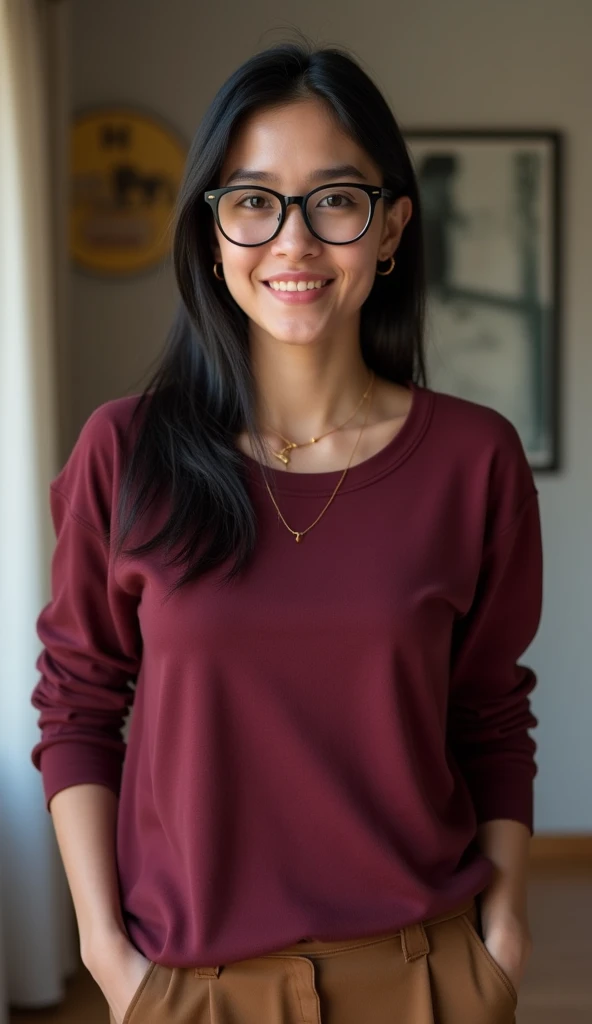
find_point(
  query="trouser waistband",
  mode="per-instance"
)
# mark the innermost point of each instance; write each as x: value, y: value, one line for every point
x: 414, y: 940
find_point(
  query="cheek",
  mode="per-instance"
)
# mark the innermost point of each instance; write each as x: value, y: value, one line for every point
x: 239, y: 267
x: 358, y: 269
x: 358, y: 260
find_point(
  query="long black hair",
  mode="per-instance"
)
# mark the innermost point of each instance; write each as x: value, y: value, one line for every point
x: 201, y: 394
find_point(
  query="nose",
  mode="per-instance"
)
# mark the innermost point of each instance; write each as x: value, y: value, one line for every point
x: 294, y: 239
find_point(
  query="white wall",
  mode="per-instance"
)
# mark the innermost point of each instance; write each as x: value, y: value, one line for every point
x: 441, y: 63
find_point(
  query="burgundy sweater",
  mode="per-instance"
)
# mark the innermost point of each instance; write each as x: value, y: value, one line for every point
x: 311, y: 748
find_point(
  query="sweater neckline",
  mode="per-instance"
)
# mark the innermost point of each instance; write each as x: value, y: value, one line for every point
x: 387, y: 458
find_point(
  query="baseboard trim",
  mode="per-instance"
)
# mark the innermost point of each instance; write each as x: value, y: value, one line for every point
x: 552, y: 849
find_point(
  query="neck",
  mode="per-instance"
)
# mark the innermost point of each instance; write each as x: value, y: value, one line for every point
x: 304, y: 395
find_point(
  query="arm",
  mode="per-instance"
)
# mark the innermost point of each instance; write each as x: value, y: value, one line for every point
x: 84, y: 818
x: 489, y: 709
x: 88, y: 658
x: 91, y: 652
x: 489, y: 719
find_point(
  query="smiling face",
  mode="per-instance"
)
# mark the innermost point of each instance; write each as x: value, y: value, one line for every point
x: 292, y: 149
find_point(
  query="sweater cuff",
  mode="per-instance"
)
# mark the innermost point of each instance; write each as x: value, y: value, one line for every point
x: 69, y: 763
x: 508, y: 794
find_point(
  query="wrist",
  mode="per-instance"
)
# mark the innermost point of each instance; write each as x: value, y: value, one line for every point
x: 107, y: 939
x: 504, y: 911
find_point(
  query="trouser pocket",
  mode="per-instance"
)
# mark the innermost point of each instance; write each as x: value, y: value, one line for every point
x: 139, y: 994
x: 466, y: 982
x: 470, y: 921
x: 168, y: 994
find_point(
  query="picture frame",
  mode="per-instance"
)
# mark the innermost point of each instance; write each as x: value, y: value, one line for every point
x: 490, y: 205
x: 126, y: 167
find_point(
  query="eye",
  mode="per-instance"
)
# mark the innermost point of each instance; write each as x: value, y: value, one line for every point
x: 336, y: 201
x: 254, y: 201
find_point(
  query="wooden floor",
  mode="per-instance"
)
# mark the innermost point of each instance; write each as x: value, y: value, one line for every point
x: 557, y: 988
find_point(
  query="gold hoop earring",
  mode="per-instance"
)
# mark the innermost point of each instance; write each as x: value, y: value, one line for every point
x: 383, y: 273
x: 216, y: 274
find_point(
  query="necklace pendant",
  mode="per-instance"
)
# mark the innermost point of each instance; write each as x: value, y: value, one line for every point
x: 282, y: 456
x: 298, y: 538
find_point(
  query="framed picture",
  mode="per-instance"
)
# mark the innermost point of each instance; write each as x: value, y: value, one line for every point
x: 490, y: 208
x: 126, y: 169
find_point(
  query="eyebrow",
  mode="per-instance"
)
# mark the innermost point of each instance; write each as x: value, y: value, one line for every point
x: 322, y: 174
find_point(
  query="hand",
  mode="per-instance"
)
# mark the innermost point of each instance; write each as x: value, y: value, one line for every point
x: 118, y: 968
x: 510, y: 944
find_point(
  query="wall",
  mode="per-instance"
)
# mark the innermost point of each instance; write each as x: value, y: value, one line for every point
x: 522, y: 63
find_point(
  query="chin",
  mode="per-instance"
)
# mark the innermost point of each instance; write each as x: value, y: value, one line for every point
x: 295, y: 337
x: 296, y: 331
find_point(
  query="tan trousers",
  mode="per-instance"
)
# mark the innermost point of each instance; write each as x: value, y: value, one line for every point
x: 437, y: 972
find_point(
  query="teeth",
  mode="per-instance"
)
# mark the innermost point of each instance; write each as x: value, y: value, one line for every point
x: 296, y: 286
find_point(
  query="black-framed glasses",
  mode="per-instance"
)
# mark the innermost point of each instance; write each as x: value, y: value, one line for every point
x: 338, y: 214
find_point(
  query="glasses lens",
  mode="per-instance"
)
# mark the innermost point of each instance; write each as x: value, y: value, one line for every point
x: 249, y: 216
x: 339, y: 213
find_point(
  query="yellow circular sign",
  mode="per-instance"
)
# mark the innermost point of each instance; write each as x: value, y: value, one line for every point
x: 126, y: 172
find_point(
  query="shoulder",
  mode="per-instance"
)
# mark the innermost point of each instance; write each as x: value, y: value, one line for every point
x: 481, y: 447
x: 89, y: 479
x: 475, y: 431
x: 474, y: 425
x: 110, y: 422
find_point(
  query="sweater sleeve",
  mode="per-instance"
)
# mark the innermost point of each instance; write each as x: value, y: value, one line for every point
x: 89, y: 629
x: 489, y: 712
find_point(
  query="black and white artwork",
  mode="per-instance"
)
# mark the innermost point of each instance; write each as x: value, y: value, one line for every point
x: 490, y: 217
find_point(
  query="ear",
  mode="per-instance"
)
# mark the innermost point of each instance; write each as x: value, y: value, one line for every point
x: 398, y: 214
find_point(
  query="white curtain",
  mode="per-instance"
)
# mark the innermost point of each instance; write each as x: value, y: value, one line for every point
x: 37, y: 935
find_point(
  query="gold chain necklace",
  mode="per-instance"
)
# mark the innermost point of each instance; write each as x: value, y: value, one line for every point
x: 299, y: 534
x: 282, y: 454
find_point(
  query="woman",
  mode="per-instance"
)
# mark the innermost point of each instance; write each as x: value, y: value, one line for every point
x: 320, y: 575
